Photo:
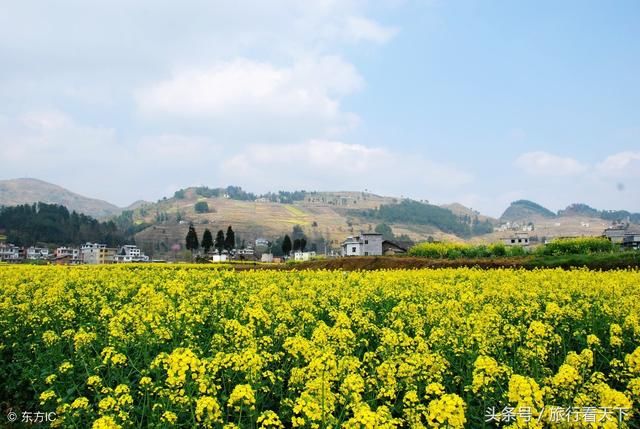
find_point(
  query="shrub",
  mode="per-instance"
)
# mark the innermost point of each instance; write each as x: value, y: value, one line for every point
x: 576, y: 246
x: 201, y: 207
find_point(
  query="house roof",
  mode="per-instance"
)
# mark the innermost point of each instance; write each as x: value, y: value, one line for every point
x: 388, y: 243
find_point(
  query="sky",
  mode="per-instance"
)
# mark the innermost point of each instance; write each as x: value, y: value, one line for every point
x: 476, y: 102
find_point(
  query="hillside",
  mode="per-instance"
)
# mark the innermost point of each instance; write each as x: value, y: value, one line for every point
x: 323, y: 216
x: 525, y: 211
x: 27, y: 191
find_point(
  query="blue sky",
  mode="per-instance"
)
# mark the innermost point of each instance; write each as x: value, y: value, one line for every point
x: 480, y: 102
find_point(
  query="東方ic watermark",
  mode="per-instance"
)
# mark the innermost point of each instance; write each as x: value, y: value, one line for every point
x: 31, y: 417
x: 554, y: 414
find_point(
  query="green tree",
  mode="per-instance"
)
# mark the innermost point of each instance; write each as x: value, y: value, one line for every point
x: 296, y: 244
x: 192, y: 239
x: 385, y: 230
x: 286, y: 245
x: 201, y: 207
x: 207, y: 241
x: 230, y: 240
x: 303, y: 244
x: 219, y: 244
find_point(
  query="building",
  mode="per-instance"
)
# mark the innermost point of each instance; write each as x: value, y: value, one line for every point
x: 266, y: 257
x: 74, y: 253
x: 365, y: 244
x: 632, y: 240
x: 626, y: 235
x: 9, y: 253
x: 518, y: 239
x: 391, y: 248
x: 95, y: 253
x: 219, y: 257
x: 303, y: 256
x: 262, y: 242
x: 37, y: 253
x: 130, y: 253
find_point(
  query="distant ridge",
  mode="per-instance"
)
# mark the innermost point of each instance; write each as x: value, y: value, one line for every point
x: 27, y: 191
x: 525, y: 210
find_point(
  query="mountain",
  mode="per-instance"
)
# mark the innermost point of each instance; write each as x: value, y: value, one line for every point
x: 27, y: 191
x: 525, y: 210
x: 579, y: 209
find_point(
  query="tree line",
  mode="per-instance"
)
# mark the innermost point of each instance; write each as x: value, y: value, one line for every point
x: 207, y: 243
x: 53, y: 224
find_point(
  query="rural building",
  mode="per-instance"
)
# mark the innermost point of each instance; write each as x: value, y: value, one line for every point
x: 9, y: 252
x: 262, y: 242
x: 95, y: 253
x: 266, y: 257
x: 518, y: 239
x: 130, y: 253
x: 303, y: 256
x: 615, y: 235
x: 365, y: 244
x: 632, y: 240
x: 391, y: 248
x: 37, y: 253
x: 219, y: 257
x: 61, y: 252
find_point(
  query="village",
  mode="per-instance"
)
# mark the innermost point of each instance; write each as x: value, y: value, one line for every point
x: 364, y: 244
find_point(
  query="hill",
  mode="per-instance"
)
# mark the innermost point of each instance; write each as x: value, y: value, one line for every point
x: 27, y: 191
x: 525, y: 210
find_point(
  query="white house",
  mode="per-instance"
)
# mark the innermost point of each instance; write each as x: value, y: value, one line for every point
x: 303, y: 256
x: 37, y: 253
x: 365, y: 244
x: 518, y: 239
x: 130, y: 253
x: 266, y: 257
x: 62, y: 252
x: 219, y: 258
x: 9, y: 252
x: 262, y: 242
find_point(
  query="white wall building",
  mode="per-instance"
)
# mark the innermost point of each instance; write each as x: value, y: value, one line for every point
x: 518, y: 239
x: 303, y: 256
x: 130, y: 253
x: 9, y: 252
x: 62, y: 252
x: 37, y: 253
x: 365, y: 244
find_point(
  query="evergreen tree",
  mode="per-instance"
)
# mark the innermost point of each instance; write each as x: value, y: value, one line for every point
x: 286, y: 245
x: 296, y: 244
x: 219, y: 244
x: 207, y: 241
x: 192, y: 239
x: 230, y: 241
x: 303, y: 244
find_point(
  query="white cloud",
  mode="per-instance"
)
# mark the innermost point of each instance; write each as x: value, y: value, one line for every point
x: 361, y: 28
x: 546, y: 164
x: 308, y: 88
x: 622, y: 164
x: 331, y: 165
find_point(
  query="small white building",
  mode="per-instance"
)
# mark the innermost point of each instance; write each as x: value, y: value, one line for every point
x: 266, y: 257
x: 365, y: 244
x: 262, y: 242
x: 37, y: 253
x: 9, y: 252
x: 219, y: 258
x: 130, y: 253
x: 518, y: 239
x: 63, y: 252
x: 303, y: 256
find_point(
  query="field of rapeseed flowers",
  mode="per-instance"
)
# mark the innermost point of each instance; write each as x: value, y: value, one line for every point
x: 187, y: 346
